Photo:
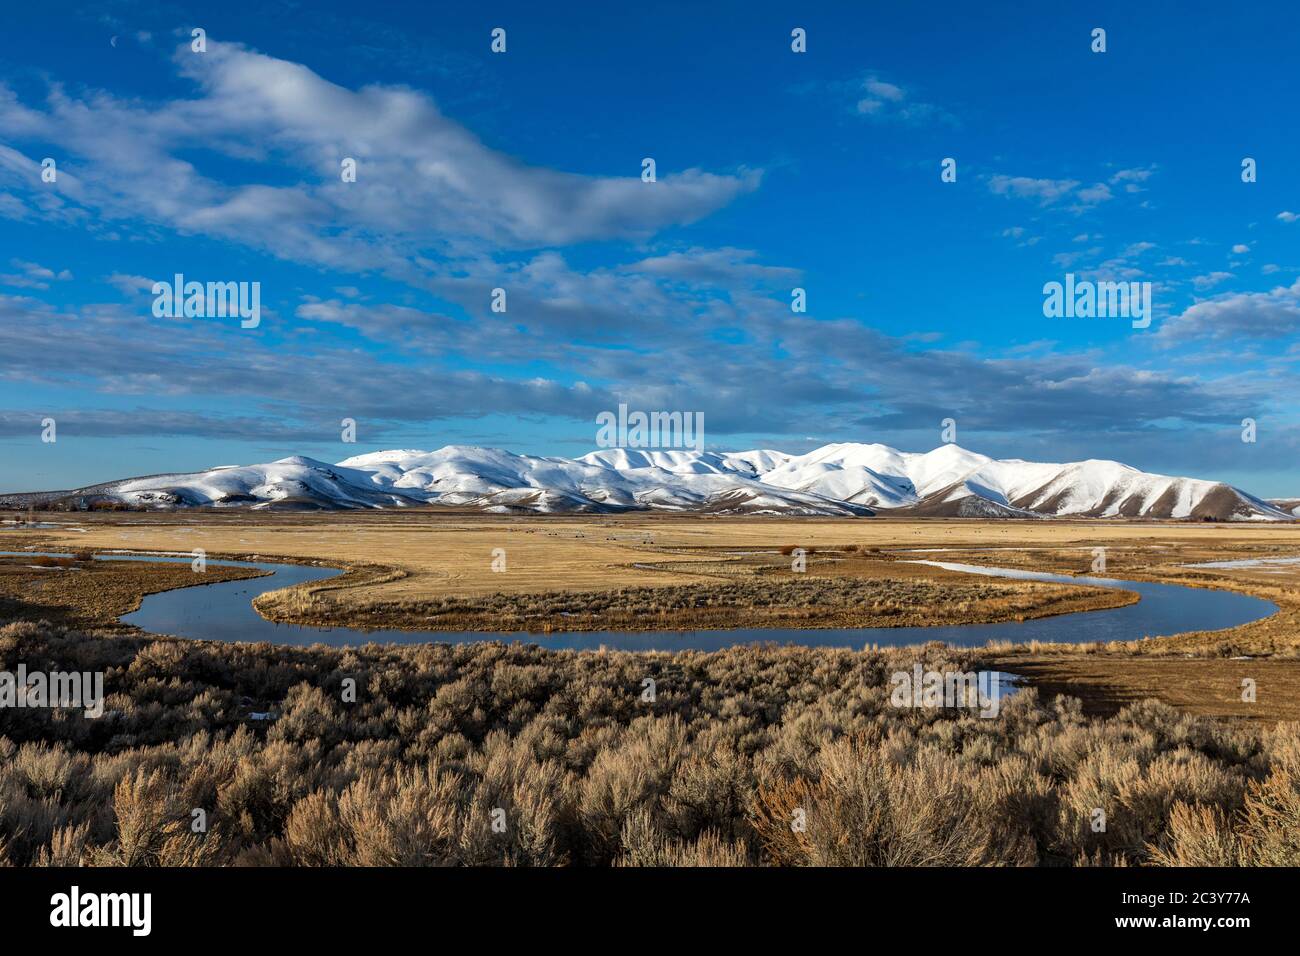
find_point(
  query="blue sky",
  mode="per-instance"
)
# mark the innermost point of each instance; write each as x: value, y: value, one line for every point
x: 522, y: 170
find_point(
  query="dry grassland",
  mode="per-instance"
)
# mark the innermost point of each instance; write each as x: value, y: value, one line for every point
x: 419, y: 564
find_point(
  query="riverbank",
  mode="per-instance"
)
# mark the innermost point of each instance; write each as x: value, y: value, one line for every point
x: 94, y: 594
x: 449, y: 556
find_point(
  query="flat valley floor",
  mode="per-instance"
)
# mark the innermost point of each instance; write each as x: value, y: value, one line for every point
x: 428, y: 569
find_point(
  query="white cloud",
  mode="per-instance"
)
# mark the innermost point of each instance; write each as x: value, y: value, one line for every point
x: 1098, y: 192
x: 881, y: 100
x: 1130, y: 179
x: 724, y: 266
x: 129, y: 285
x: 33, y: 275
x: 1137, y: 175
x: 424, y: 182
x: 1046, y: 191
x: 1208, y: 281
x: 884, y: 91
x: 1261, y: 315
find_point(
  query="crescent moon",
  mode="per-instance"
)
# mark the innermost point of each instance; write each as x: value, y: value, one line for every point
x: 113, y: 42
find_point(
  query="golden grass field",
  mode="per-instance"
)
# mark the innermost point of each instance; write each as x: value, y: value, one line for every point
x: 402, y: 560
x: 453, y: 554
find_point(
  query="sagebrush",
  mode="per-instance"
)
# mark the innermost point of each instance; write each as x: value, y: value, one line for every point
x: 491, y: 754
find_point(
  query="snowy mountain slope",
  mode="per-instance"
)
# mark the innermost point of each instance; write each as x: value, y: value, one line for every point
x: 750, y: 464
x: 616, y: 480
x: 834, y: 480
x: 290, y: 482
x: 953, y: 481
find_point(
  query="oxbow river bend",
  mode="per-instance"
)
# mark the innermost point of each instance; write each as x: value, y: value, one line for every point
x: 224, y: 612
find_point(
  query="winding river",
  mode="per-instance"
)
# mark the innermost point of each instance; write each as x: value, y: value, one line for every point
x: 224, y: 612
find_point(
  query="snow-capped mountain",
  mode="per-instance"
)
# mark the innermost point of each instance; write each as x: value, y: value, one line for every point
x: 615, y: 480
x: 294, y: 481
x: 953, y: 481
x: 847, y: 479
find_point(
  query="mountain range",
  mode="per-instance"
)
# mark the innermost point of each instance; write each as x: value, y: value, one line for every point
x: 846, y: 479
